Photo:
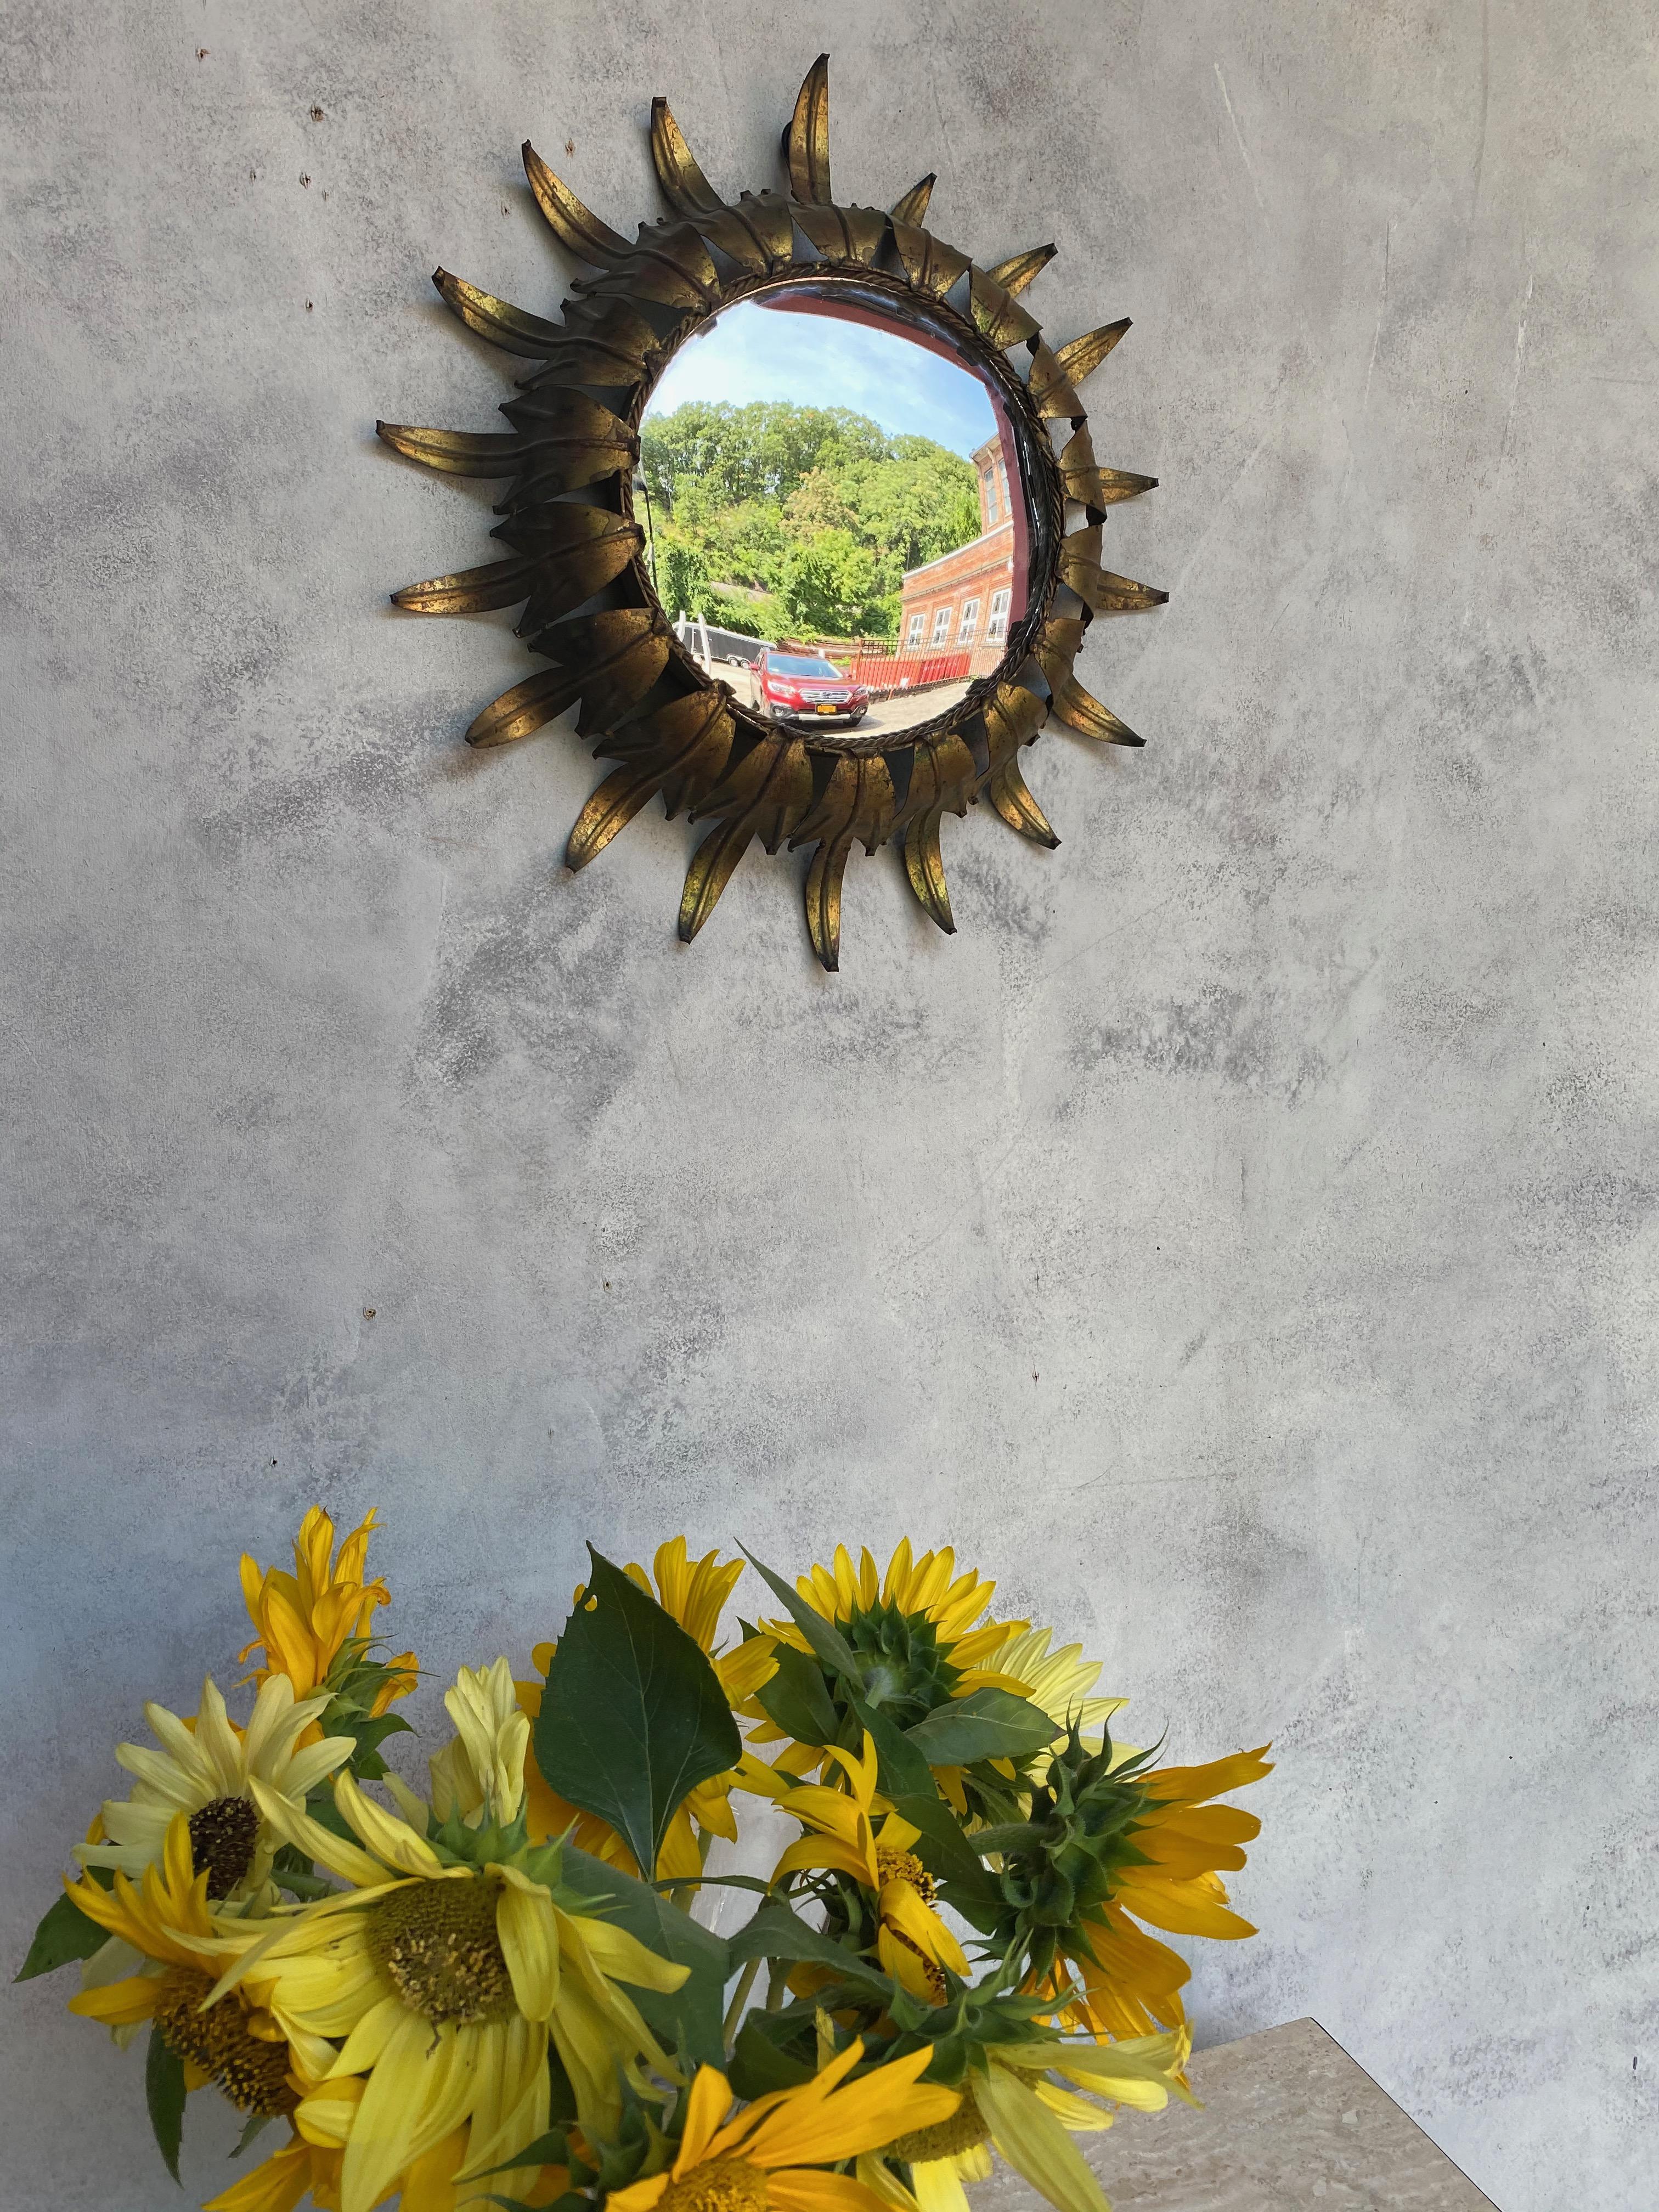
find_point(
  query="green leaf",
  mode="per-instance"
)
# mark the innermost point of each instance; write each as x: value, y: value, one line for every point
x: 903, y: 1768
x: 987, y: 1724
x: 953, y: 1859
x: 164, y: 2092
x: 633, y: 1717
x: 758, y: 2066
x: 366, y: 1762
x: 825, y: 1638
x: 691, y: 2018
x: 65, y: 1934
x: 776, y: 1932
x: 796, y: 1700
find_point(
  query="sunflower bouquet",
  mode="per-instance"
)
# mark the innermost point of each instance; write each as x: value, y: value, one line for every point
x: 507, y: 1989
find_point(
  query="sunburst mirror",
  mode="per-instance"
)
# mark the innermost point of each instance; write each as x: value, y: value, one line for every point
x: 804, y: 514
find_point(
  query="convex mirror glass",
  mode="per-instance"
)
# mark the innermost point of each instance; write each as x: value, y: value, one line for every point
x: 834, y: 514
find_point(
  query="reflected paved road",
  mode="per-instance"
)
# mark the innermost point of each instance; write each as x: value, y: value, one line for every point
x: 897, y: 713
x: 912, y: 707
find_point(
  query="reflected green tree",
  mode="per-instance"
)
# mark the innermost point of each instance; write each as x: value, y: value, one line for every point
x: 780, y: 520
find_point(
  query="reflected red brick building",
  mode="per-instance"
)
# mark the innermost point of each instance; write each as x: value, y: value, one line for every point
x: 963, y: 601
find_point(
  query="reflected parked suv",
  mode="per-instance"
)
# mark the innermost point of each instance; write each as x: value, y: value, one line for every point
x: 805, y: 687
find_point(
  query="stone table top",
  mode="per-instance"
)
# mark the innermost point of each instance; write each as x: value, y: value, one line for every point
x: 1290, y: 2123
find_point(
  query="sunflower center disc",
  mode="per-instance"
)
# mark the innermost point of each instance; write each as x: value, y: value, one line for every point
x: 945, y: 2138
x: 222, y: 1835
x: 251, y: 2072
x: 436, y: 1942
x: 718, y: 2184
x: 905, y: 1866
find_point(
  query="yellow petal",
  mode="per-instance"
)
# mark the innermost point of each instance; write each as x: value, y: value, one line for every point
x: 1182, y: 1908
x: 902, y: 1909
x: 938, y: 2186
x: 119, y: 2004
x: 530, y: 1943
x: 325, y: 2114
x: 860, y: 1771
x: 1075, y: 2114
x: 1195, y: 1783
x: 315, y: 1842
x: 638, y: 2197
x: 827, y: 1852
x: 622, y: 1956
x: 1035, y: 2143
x: 392, y: 1840
x: 800, y: 2189
x: 705, y: 2108
x: 278, y: 2185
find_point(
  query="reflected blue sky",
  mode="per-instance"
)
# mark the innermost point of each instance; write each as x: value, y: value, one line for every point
x: 752, y: 352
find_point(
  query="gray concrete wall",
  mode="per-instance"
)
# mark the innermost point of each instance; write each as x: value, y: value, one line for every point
x: 1240, y: 1237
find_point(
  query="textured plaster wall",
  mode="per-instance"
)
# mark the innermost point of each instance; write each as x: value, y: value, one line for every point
x: 1240, y: 1237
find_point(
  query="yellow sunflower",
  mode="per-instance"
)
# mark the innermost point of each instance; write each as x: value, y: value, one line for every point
x: 913, y: 1943
x: 446, y: 1983
x: 771, y: 2155
x: 1009, y: 2105
x: 1131, y: 1982
x: 206, y: 1769
x: 166, y: 1925
x: 919, y: 1633
x: 306, y: 1619
x: 693, y: 1593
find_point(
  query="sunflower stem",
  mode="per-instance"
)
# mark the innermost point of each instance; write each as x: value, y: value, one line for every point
x: 740, y: 1999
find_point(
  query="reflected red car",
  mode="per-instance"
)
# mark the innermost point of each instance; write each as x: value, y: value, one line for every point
x: 805, y: 687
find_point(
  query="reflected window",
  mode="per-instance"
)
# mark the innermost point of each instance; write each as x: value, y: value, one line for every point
x: 997, y: 628
x: 942, y: 626
x: 969, y: 622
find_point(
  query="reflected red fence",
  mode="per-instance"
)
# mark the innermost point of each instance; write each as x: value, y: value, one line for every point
x: 885, y: 673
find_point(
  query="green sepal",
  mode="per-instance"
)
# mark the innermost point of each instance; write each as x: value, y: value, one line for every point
x: 988, y: 1723
x: 552, y: 2149
x: 633, y: 1717
x: 1011, y: 1835
x: 256, y: 2124
x: 293, y: 1871
x: 64, y: 1935
x: 164, y: 2094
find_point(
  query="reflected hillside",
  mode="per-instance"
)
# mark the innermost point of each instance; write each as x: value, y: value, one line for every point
x: 783, y: 521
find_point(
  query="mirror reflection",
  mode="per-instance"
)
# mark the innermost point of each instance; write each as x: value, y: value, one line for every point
x: 834, y: 516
